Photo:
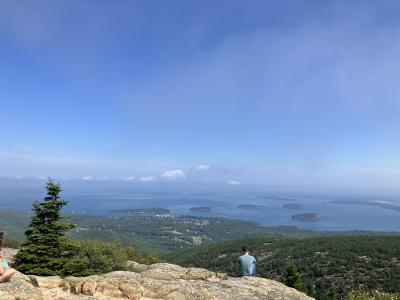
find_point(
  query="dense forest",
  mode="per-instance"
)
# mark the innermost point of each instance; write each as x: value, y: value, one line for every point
x: 330, y: 267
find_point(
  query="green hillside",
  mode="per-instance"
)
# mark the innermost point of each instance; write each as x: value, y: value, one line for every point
x: 160, y: 234
x: 328, y: 265
x: 154, y: 234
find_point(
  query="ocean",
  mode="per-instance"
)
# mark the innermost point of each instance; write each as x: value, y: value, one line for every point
x: 335, y: 212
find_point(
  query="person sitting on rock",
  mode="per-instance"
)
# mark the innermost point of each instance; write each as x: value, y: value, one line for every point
x: 5, y: 271
x: 247, y: 263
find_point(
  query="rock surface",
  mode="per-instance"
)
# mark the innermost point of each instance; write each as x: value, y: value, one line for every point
x: 144, y: 282
x: 8, y: 254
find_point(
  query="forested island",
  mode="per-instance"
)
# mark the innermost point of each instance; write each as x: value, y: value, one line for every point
x: 204, y: 209
x: 381, y: 204
x: 306, y: 217
x: 249, y: 206
x: 292, y: 206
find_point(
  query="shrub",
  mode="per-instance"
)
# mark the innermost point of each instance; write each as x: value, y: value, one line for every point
x: 95, y: 257
x: 11, y: 243
x: 140, y: 257
x: 376, y: 295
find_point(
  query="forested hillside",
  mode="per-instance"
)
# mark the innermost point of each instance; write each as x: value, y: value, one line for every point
x: 155, y: 234
x: 160, y: 234
x: 330, y: 266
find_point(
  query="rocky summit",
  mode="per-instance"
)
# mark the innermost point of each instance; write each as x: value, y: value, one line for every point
x: 157, y: 281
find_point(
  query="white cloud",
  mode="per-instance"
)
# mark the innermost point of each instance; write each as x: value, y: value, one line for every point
x: 129, y: 178
x: 203, y: 168
x: 87, y: 178
x: 232, y: 182
x: 147, y: 179
x: 173, y: 174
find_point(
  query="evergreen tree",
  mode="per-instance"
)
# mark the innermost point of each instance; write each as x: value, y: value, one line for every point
x: 292, y: 278
x: 45, y: 249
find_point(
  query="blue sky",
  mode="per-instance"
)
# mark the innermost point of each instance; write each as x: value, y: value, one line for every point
x: 269, y: 92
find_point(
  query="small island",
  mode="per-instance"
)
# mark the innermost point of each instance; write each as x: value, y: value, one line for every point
x: 204, y: 209
x: 292, y: 206
x: 381, y: 204
x: 249, y: 206
x: 147, y: 211
x: 278, y: 198
x: 306, y: 217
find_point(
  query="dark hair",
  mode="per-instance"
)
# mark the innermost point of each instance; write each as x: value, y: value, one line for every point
x: 244, y: 250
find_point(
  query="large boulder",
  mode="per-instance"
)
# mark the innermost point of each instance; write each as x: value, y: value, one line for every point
x: 152, y: 283
x: 20, y: 288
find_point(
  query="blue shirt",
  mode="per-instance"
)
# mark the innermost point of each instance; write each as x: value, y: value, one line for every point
x: 247, y: 265
x: 4, y: 264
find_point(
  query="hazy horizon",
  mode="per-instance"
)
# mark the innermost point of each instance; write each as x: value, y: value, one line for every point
x: 297, y: 94
x: 336, y: 209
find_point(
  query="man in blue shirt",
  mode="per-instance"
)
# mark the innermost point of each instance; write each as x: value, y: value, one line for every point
x: 247, y: 263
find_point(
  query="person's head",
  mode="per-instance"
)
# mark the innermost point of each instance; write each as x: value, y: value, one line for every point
x: 244, y: 250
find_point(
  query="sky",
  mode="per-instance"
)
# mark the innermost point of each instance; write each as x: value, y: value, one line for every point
x: 289, y: 93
